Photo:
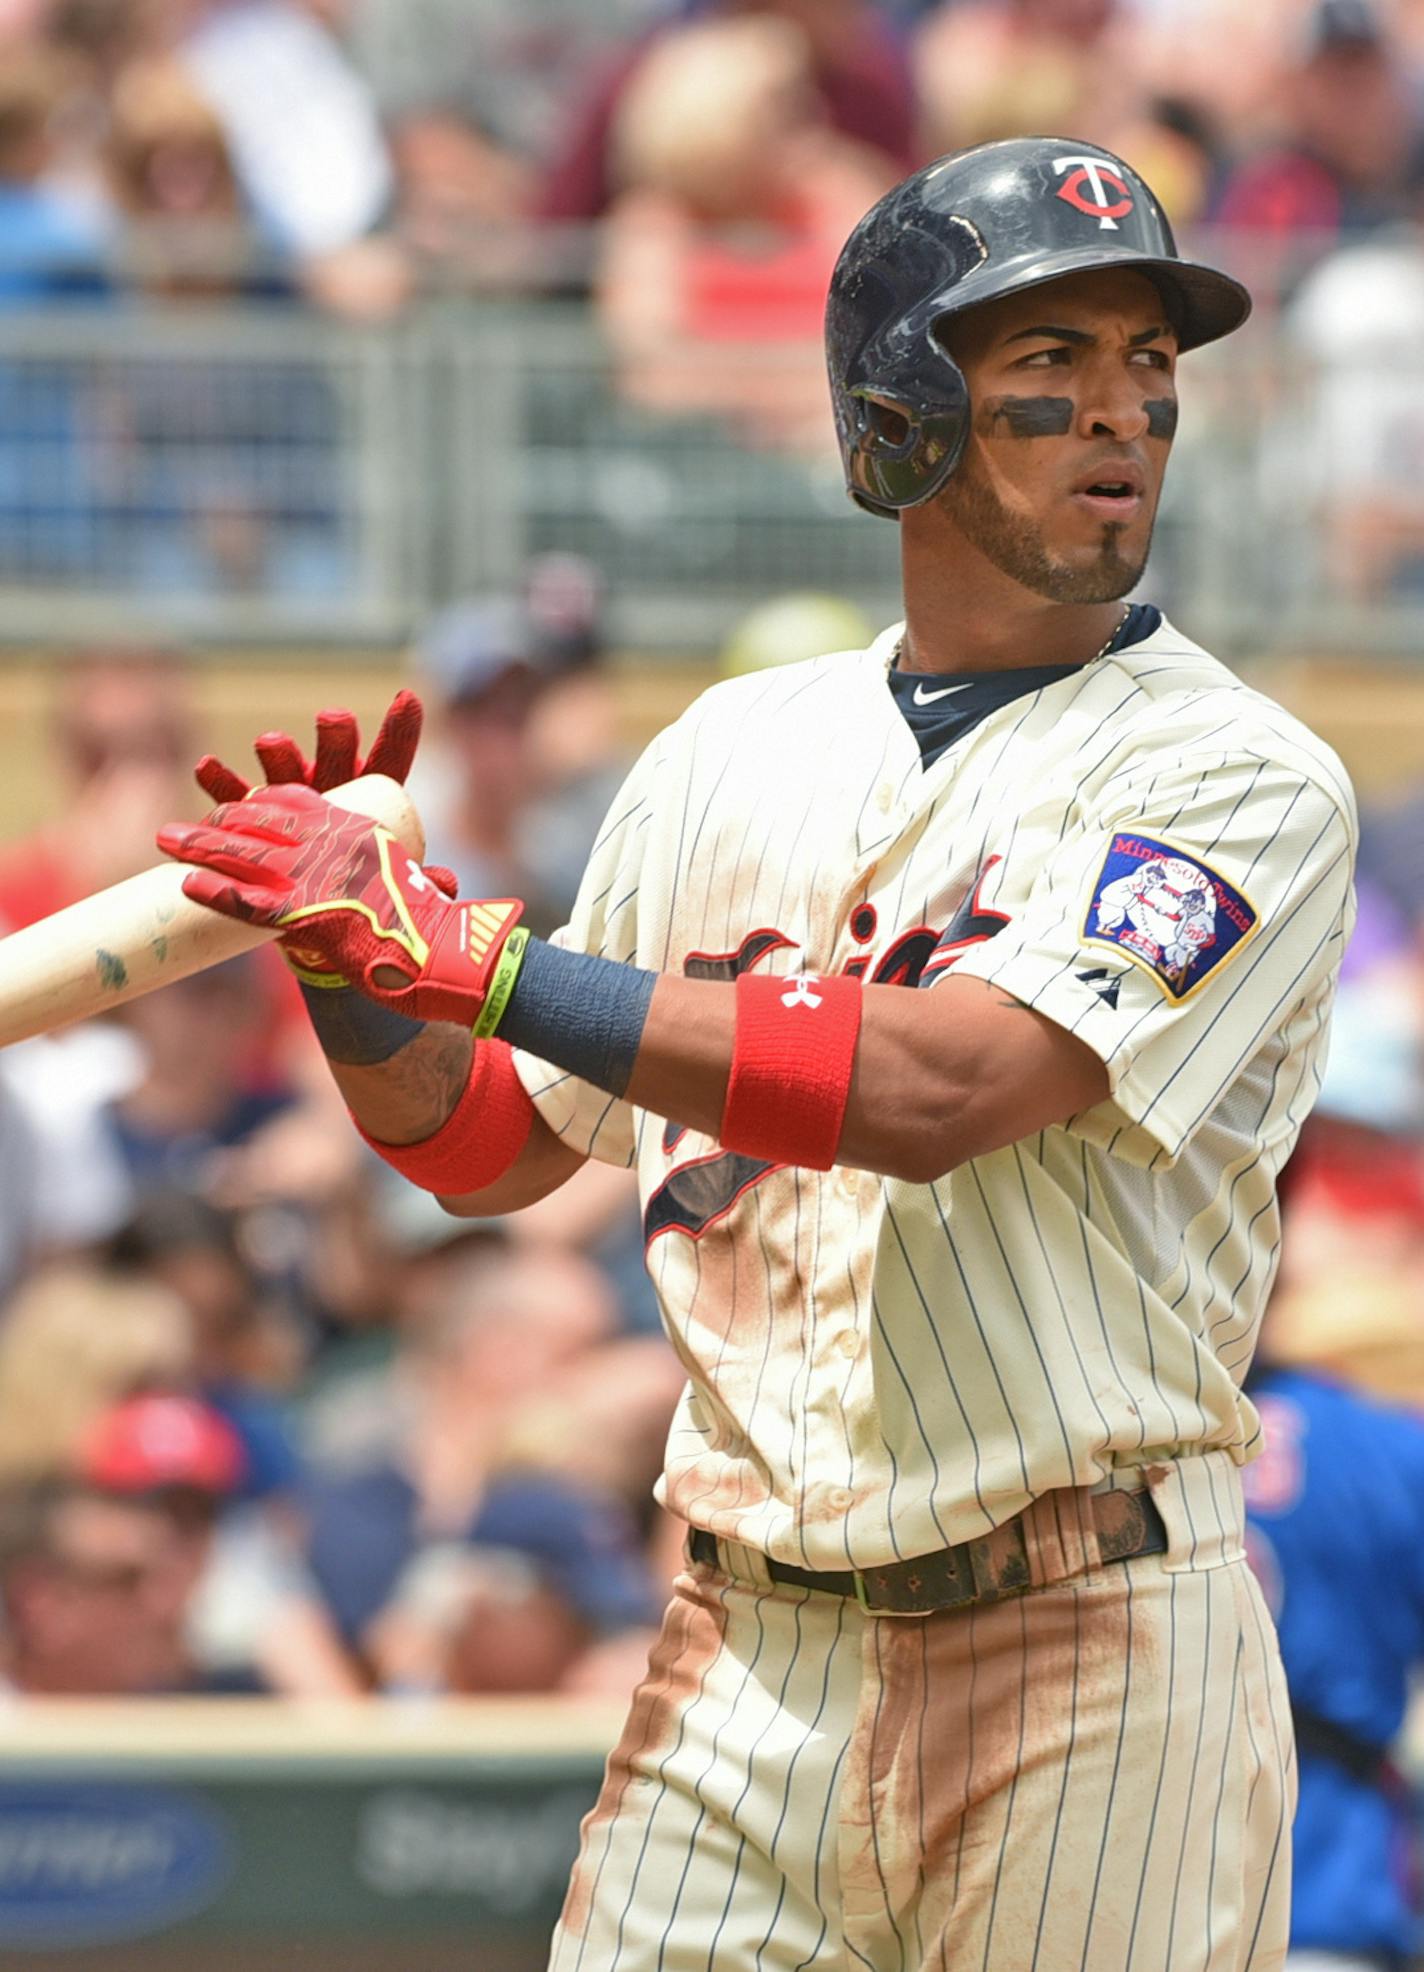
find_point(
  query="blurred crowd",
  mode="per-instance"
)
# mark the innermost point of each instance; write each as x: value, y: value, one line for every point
x: 683, y: 170
x: 269, y: 1419
x: 362, y: 146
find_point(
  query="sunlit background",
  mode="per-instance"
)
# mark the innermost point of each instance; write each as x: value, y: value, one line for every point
x: 475, y: 344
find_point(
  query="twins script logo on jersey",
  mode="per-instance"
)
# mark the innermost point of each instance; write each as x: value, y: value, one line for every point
x: 1096, y: 189
x: 1167, y: 911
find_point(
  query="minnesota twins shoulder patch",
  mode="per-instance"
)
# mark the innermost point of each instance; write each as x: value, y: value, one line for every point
x: 1167, y: 911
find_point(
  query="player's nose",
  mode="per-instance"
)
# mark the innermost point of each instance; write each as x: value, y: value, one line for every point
x: 1113, y: 407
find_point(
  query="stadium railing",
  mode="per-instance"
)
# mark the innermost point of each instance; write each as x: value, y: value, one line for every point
x: 257, y: 474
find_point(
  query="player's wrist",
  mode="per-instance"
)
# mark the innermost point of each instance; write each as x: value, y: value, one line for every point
x: 581, y: 1013
x: 352, y: 1030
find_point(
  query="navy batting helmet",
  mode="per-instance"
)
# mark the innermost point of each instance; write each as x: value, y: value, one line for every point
x: 988, y: 222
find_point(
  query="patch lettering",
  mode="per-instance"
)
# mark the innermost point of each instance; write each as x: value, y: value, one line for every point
x: 1167, y: 911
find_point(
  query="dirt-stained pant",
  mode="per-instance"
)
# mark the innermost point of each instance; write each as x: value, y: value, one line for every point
x: 1096, y: 1776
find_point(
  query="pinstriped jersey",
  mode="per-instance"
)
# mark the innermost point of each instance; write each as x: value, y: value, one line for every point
x: 1146, y: 851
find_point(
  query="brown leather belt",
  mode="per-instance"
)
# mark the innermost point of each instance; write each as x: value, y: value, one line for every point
x: 987, y: 1570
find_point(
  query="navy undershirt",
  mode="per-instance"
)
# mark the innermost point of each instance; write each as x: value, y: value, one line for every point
x: 973, y: 695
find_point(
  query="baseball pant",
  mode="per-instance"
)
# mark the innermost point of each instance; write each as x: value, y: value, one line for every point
x: 1095, y: 1776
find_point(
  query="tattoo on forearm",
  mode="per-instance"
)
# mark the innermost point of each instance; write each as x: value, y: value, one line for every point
x: 426, y: 1079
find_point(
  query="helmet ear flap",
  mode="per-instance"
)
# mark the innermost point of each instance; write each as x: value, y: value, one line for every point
x: 900, y: 453
x: 888, y: 424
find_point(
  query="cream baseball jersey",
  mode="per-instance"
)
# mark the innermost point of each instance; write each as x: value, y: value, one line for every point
x: 1144, y: 850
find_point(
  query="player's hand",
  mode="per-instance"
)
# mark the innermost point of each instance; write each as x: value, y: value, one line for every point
x: 337, y: 758
x: 352, y: 905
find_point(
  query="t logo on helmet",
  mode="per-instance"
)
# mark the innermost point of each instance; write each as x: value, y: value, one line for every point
x: 1101, y: 182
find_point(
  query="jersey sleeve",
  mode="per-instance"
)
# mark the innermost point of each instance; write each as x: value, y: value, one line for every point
x: 1187, y: 916
x: 605, y: 924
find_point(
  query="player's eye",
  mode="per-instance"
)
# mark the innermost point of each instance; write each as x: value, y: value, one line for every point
x: 1152, y: 359
x: 1042, y: 359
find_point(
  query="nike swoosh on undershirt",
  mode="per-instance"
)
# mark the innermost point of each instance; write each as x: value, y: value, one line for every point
x: 921, y: 697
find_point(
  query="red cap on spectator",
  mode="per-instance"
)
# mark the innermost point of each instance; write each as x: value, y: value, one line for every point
x: 146, y: 1444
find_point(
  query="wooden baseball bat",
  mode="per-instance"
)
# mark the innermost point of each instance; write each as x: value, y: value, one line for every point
x: 144, y: 933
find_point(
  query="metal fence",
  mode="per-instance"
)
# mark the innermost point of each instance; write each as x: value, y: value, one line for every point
x: 257, y: 475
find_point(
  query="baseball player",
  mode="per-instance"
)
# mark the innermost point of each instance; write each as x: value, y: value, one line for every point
x: 958, y: 1001
x: 1335, y: 1532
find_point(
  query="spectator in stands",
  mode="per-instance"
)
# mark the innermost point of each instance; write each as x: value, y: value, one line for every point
x: 734, y: 199
x: 100, y: 37
x: 477, y: 1621
x: 1350, y: 468
x: 121, y: 741
x: 479, y: 662
x: 74, y: 1189
x: 986, y: 69
x: 577, y: 759
x: 219, y: 467
x: 205, y: 1083
x: 171, y: 176
x: 51, y: 243
x: 306, y: 142
x: 74, y: 1341
x: 415, y: 1255
x: 1346, y: 157
x: 454, y: 183
x: 94, y: 1590
x: 245, y: 1357
x: 474, y: 99
x: 505, y: 70
x: 252, y: 1619
x: 499, y: 1333
x: 1335, y: 1534
x: 1221, y: 60
x: 858, y: 73
x: 1352, y: 1264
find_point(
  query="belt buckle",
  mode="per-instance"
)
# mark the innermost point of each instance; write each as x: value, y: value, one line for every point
x: 919, y: 1588
x: 862, y: 1596
x: 985, y: 1570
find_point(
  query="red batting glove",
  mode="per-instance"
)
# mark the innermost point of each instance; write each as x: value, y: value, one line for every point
x: 338, y: 753
x: 352, y: 904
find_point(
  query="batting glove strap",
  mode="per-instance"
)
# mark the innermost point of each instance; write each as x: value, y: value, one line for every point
x: 460, y: 966
x: 792, y: 1061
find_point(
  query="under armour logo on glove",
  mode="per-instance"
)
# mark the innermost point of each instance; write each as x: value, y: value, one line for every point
x: 801, y: 994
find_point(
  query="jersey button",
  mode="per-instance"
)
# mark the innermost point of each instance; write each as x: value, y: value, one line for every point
x: 842, y: 1499
x: 885, y: 797
x: 848, y: 1342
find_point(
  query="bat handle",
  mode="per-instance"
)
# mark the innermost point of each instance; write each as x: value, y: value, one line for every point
x: 145, y: 933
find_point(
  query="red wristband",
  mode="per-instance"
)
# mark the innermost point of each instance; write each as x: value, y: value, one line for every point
x: 791, y: 1067
x: 481, y: 1137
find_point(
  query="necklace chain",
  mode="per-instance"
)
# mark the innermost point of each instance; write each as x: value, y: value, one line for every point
x: 1113, y: 635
